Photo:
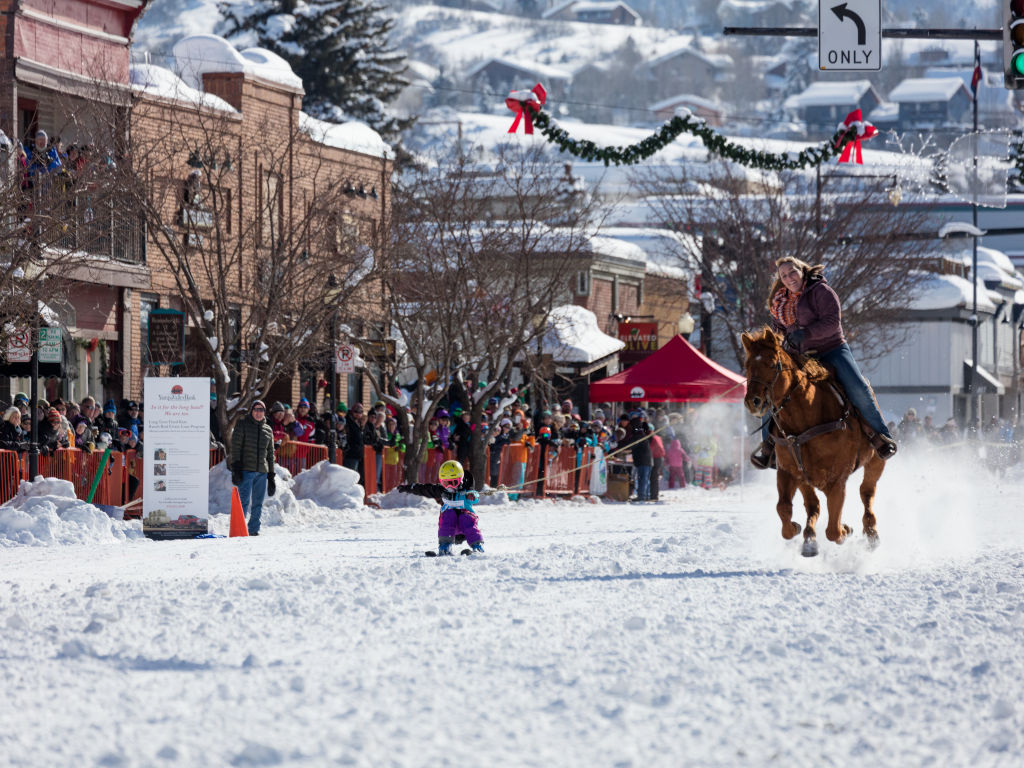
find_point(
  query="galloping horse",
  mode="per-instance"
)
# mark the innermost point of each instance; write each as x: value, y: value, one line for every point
x: 819, y: 440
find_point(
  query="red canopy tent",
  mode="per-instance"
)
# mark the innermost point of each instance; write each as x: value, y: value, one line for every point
x: 675, y: 373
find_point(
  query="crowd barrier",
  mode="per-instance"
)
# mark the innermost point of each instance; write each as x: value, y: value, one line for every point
x: 566, y: 470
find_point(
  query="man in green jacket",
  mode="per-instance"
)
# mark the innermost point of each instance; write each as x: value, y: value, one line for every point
x: 252, y: 462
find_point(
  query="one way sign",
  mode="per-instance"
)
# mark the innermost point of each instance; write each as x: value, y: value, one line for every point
x: 850, y: 34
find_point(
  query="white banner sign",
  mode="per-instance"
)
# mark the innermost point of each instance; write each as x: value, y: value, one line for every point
x: 176, y: 485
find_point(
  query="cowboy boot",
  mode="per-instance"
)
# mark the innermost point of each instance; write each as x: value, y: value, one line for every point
x: 884, y: 446
x: 764, y: 456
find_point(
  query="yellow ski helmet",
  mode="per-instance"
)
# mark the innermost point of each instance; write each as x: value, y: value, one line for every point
x: 450, y: 470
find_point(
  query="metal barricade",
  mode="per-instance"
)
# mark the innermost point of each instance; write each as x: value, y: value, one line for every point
x: 10, y: 475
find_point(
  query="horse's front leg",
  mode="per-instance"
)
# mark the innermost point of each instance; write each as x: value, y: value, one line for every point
x: 787, y: 486
x: 835, y: 495
x: 872, y: 471
x: 813, y: 507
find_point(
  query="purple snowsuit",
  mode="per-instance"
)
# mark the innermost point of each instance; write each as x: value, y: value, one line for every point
x: 457, y: 516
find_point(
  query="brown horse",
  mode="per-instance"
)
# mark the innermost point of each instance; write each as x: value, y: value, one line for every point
x: 819, y: 440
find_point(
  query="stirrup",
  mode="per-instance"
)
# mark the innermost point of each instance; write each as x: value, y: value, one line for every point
x: 764, y: 457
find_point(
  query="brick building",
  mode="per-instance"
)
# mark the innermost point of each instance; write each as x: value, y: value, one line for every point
x: 67, y: 70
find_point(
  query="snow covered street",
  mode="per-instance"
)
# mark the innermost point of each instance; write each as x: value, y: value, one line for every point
x: 680, y: 633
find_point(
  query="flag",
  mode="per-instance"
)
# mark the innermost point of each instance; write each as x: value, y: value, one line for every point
x: 976, y: 77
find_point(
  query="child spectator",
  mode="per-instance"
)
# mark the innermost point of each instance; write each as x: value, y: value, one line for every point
x: 676, y: 457
x: 706, y: 450
x: 455, y: 493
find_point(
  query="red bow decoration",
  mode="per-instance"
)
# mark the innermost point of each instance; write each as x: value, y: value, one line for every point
x: 865, y: 131
x: 525, y: 103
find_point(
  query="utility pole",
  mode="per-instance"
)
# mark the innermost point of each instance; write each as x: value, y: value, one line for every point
x: 33, y: 443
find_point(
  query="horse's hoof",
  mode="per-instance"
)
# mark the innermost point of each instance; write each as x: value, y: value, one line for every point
x: 810, y: 548
x: 847, y: 530
x: 872, y: 539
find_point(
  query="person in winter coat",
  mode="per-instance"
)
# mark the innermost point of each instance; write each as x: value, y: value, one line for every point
x: 12, y: 437
x: 353, y: 439
x: 805, y: 308
x: 462, y: 436
x: 705, y: 451
x: 108, y: 421
x: 305, y: 420
x: 443, y: 430
x: 454, y: 491
x: 252, y: 463
x: 676, y: 457
x: 640, y: 448
x: 376, y: 436
x: 51, y: 436
x: 657, y: 465
x: 499, y: 438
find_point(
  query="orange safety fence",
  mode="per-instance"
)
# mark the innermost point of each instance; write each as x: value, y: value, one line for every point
x: 10, y: 475
x: 296, y: 457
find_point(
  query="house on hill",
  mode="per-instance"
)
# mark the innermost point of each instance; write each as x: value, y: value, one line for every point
x: 595, y: 12
x: 928, y: 104
x: 501, y: 75
x: 823, y: 105
x: 686, y: 69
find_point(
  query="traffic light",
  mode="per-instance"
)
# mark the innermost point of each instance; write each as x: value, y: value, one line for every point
x: 1013, y: 43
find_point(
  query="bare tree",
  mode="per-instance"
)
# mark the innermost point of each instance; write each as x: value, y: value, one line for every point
x: 480, y: 256
x: 739, y: 223
x: 256, y: 240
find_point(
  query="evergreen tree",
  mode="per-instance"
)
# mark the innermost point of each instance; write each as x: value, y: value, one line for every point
x: 340, y: 49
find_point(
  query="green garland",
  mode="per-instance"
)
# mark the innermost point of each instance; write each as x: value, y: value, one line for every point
x: 670, y: 131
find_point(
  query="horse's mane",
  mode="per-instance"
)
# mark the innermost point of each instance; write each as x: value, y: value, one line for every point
x: 812, y: 369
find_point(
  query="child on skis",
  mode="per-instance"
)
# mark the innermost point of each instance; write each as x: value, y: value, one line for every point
x: 455, y: 493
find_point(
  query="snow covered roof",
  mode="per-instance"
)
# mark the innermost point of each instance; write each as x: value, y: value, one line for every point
x: 161, y: 82
x: 197, y: 55
x: 573, y: 336
x: 611, y: 246
x: 992, y: 96
x: 532, y: 68
x: 352, y: 135
x: 826, y: 94
x: 687, y: 98
x: 714, y: 60
x: 924, y: 89
x: 995, y: 266
x: 947, y: 292
x: 662, y: 249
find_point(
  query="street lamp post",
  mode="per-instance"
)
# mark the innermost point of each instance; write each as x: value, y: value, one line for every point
x: 33, y: 443
x: 332, y: 432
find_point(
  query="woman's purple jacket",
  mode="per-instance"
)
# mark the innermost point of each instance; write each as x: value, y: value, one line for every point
x: 819, y: 315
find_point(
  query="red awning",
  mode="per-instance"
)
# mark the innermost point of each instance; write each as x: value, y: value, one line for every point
x: 675, y: 373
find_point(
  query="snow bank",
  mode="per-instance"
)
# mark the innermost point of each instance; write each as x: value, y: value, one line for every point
x: 329, y: 485
x: 47, y: 513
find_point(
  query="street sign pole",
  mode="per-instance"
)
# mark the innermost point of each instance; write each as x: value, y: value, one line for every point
x: 33, y: 443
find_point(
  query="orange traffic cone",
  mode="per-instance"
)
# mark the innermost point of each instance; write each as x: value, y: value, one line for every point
x: 238, y: 527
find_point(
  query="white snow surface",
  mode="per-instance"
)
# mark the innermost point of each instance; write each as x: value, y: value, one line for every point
x: 162, y: 82
x: 947, y: 291
x: 685, y: 632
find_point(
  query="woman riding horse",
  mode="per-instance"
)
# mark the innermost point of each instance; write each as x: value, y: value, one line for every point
x: 806, y: 310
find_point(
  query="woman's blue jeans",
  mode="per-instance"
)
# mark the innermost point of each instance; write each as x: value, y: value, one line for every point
x: 856, y: 386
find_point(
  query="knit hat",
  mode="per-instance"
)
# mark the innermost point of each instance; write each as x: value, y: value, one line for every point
x: 342, y: 408
x: 109, y: 407
x: 303, y: 403
x: 53, y: 412
x: 21, y: 397
x: 506, y: 422
x: 277, y: 407
x: 260, y: 403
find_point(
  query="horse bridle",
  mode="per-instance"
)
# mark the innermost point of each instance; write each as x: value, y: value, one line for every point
x: 774, y: 409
